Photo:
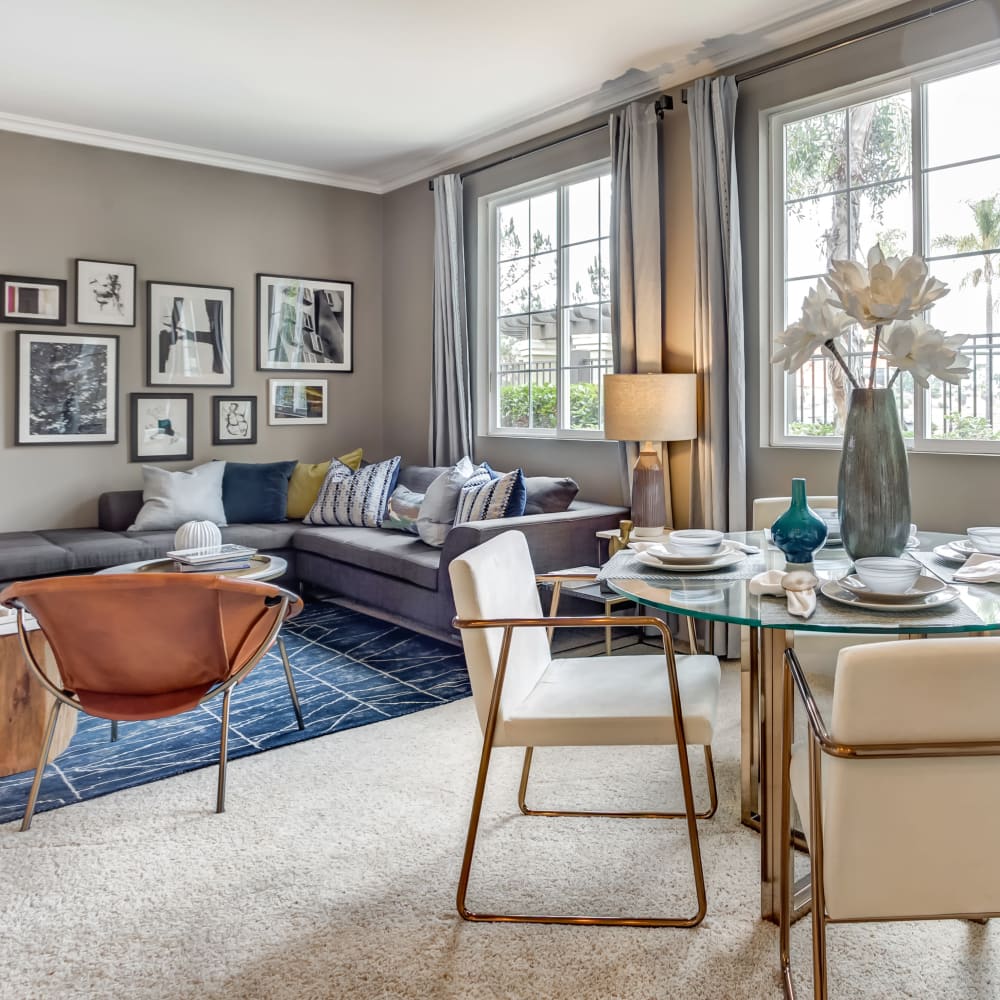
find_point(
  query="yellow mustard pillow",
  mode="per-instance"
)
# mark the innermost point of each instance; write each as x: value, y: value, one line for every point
x: 303, y: 488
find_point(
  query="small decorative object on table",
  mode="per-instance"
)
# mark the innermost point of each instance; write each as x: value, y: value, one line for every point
x: 886, y: 297
x: 197, y: 535
x: 622, y: 540
x: 800, y: 531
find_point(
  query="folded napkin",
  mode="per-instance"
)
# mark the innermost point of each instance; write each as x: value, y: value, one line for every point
x: 799, y: 586
x: 980, y: 567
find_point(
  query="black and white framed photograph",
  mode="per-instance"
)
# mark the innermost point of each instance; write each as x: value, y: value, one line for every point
x: 33, y: 300
x: 296, y: 401
x: 66, y: 391
x: 189, y: 335
x: 105, y: 293
x: 234, y: 420
x: 161, y: 426
x: 304, y: 324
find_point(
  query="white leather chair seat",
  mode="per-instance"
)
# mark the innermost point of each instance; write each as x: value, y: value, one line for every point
x: 622, y: 700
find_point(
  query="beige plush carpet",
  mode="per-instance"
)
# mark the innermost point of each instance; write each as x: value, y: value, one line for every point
x: 333, y: 872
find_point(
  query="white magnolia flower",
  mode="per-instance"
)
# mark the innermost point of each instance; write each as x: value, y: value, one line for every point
x: 822, y: 320
x: 886, y: 290
x: 923, y: 351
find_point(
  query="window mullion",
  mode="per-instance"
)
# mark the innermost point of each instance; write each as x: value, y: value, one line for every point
x: 918, y: 153
x: 562, y: 231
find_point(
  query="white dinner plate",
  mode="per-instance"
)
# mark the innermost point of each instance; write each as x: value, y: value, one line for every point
x: 842, y: 595
x: 726, y: 558
x: 956, y: 552
x: 677, y: 559
x: 924, y: 585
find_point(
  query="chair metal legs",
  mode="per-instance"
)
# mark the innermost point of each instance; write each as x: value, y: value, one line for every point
x: 291, y: 682
x: 43, y: 759
x: 220, y: 800
x: 713, y: 797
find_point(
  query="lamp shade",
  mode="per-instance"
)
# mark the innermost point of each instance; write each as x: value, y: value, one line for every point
x: 650, y: 407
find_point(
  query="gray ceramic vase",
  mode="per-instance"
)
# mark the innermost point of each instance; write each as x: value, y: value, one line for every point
x: 873, y: 488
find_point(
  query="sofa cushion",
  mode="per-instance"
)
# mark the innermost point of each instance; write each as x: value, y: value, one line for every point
x: 263, y: 537
x: 27, y: 553
x: 256, y: 492
x: 352, y: 498
x: 170, y: 499
x: 307, y: 478
x: 546, y: 495
x: 390, y: 553
x: 91, y: 548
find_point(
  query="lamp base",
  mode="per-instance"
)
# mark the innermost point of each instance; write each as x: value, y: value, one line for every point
x: 648, y: 502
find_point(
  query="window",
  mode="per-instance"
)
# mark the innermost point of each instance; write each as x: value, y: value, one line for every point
x: 914, y: 165
x: 547, y: 311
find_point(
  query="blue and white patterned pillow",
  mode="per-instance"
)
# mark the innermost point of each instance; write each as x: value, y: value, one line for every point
x: 488, y: 495
x: 355, y: 498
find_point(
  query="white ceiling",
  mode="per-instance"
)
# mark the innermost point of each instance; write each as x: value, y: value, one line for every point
x: 370, y: 94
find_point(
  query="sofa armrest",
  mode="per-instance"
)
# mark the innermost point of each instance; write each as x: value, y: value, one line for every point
x: 556, y: 541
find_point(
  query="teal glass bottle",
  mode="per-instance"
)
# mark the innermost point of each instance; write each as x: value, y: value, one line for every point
x: 800, y: 531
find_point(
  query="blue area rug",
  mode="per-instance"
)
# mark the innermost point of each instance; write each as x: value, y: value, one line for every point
x: 349, y: 669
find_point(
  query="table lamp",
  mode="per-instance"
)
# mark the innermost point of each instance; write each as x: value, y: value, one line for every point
x: 650, y: 408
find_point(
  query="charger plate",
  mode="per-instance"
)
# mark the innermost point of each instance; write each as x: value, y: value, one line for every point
x: 923, y: 586
x: 692, y: 564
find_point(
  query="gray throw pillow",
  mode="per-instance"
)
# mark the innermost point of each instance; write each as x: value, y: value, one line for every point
x: 549, y: 496
x: 171, y: 499
x: 437, y: 512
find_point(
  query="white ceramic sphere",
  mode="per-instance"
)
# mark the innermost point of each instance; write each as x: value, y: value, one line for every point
x: 198, y: 535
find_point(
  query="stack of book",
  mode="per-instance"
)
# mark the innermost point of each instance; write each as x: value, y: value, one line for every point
x: 214, y: 559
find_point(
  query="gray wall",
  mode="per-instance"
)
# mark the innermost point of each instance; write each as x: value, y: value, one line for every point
x: 949, y: 492
x: 186, y: 223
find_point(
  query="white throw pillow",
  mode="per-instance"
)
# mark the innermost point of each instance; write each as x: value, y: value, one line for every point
x: 171, y: 499
x: 437, y: 512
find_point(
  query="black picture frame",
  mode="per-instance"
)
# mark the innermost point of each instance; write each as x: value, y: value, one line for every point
x: 222, y: 422
x: 320, y: 324
x: 205, y: 325
x: 61, y: 398
x: 29, y: 300
x: 105, y: 293
x: 174, y: 422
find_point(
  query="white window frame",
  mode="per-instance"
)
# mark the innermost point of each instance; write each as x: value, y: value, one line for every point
x: 772, y: 244
x: 487, y: 345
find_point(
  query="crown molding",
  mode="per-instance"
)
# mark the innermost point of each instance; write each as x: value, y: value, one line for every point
x: 175, y: 151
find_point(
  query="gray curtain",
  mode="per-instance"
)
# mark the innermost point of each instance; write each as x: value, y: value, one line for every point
x: 636, y: 274
x: 451, y: 387
x: 718, y: 480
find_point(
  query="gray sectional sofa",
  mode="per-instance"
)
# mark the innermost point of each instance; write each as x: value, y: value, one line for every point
x: 389, y: 573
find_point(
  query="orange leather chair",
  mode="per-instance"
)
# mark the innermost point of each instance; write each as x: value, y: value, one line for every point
x: 144, y: 647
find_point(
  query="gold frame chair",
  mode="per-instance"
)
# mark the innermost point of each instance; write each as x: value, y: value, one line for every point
x: 819, y: 743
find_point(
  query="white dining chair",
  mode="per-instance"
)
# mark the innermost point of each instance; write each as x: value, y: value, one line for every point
x: 525, y: 698
x: 897, y: 796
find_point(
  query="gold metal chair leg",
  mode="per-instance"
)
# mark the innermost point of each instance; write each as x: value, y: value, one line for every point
x: 43, y: 759
x: 522, y: 792
x: 220, y: 799
x: 291, y: 682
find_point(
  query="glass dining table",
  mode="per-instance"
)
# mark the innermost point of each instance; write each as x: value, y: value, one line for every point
x: 724, y: 596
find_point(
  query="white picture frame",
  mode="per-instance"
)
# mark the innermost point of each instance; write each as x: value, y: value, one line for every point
x: 296, y: 401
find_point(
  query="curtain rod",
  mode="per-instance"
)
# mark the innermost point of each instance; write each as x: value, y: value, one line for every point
x: 858, y: 36
x: 663, y: 104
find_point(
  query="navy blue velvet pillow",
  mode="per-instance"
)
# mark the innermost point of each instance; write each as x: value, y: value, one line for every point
x: 256, y: 492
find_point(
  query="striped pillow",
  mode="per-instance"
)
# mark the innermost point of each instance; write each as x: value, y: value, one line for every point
x: 487, y: 495
x: 355, y: 498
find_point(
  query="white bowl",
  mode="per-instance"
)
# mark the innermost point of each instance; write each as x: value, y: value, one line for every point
x: 887, y: 574
x: 695, y: 542
x: 985, y: 539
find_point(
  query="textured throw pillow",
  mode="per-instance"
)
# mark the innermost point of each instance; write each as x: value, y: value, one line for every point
x: 171, y: 499
x: 307, y: 479
x: 549, y: 496
x: 403, y: 510
x: 437, y: 512
x: 355, y: 498
x: 487, y: 496
x: 256, y: 492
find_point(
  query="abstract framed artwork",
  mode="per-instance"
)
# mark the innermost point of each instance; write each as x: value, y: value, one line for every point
x: 304, y: 324
x: 105, y: 293
x: 66, y: 389
x: 161, y: 425
x: 234, y: 420
x: 296, y: 401
x: 32, y: 300
x: 189, y: 338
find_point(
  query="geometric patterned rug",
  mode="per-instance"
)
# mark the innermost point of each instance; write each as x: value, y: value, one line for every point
x: 350, y: 670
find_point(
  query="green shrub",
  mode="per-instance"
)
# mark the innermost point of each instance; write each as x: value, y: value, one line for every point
x: 584, y: 404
